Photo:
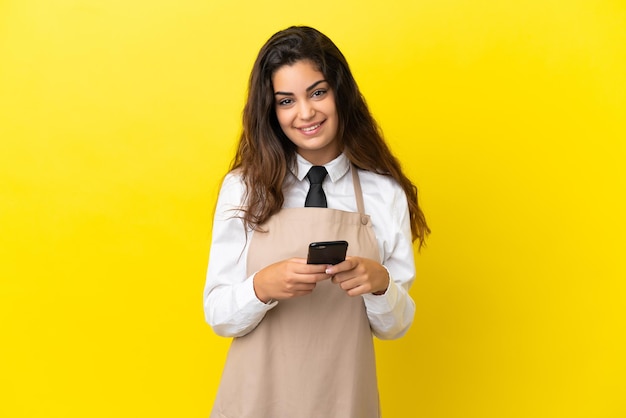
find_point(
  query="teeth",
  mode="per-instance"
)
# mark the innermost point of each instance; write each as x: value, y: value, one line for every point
x: 311, y: 128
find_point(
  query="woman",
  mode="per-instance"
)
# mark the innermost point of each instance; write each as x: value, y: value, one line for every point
x: 303, y: 332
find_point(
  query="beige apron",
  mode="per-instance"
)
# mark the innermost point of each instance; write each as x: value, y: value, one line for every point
x: 311, y: 356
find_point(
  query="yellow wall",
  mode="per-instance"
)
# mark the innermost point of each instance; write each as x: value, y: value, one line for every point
x: 117, y: 119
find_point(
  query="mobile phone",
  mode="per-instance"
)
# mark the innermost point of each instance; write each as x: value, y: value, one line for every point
x: 327, y: 252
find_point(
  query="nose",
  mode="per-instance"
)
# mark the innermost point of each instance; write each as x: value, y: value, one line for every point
x: 306, y: 110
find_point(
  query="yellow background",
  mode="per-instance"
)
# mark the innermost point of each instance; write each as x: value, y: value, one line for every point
x: 118, y: 118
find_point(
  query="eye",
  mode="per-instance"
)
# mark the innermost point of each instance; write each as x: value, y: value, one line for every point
x: 284, y: 102
x: 319, y: 93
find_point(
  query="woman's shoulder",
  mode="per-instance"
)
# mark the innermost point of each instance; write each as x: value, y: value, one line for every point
x: 232, y: 188
x: 383, y: 184
x: 385, y: 201
x: 233, y: 177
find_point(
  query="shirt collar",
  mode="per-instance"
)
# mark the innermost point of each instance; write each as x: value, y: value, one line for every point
x: 337, y: 168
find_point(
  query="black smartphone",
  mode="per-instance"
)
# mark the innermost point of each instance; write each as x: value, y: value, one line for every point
x: 327, y: 252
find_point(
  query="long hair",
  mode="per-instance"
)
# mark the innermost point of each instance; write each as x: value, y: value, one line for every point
x: 265, y: 154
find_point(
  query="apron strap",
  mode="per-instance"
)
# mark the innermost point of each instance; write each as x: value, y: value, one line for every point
x: 358, y: 193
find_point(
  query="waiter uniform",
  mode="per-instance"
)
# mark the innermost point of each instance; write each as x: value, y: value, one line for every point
x: 310, y: 356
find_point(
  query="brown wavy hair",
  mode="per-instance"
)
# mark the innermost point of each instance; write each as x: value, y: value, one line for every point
x: 265, y: 153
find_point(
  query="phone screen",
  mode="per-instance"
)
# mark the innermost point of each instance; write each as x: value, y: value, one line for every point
x: 327, y: 252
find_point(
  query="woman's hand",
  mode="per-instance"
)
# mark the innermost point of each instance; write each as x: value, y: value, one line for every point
x: 358, y: 276
x: 288, y: 279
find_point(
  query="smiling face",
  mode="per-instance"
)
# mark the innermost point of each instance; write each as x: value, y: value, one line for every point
x: 306, y: 111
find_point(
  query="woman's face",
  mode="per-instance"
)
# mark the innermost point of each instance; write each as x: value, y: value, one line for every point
x: 306, y: 111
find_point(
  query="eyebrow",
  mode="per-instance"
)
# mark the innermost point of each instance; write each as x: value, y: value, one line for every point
x: 308, y: 89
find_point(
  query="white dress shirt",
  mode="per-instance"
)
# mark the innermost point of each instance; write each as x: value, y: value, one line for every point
x: 230, y: 305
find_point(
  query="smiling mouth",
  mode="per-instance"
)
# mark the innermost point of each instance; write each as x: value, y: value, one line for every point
x: 311, y: 128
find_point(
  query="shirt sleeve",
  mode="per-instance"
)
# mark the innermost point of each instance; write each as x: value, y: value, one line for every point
x: 391, y: 314
x: 231, y: 307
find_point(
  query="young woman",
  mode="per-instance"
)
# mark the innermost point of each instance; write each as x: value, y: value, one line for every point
x: 302, y: 332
